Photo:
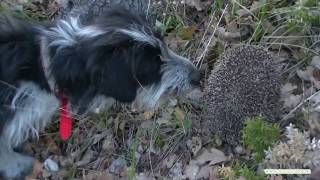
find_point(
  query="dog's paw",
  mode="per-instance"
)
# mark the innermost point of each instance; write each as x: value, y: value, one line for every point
x: 15, y: 165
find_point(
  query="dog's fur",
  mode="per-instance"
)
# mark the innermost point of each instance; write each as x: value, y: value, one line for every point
x: 116, y: 57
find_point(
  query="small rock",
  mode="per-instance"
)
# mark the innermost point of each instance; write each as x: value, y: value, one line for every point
x: 315, y: 62
x: 172, y: 103
x: 239, y: 149
x: 118, y: 165
x: 51, y: 165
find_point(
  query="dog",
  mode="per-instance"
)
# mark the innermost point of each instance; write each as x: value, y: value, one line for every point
x: 116, y: 57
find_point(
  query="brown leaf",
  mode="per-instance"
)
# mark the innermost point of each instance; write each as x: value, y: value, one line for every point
x: 148, y: 115
x: 98, y: 176
x: 186, y: 33
x: 179, y: 114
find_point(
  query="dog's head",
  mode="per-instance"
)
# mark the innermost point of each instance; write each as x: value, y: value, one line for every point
x: 119, y: 56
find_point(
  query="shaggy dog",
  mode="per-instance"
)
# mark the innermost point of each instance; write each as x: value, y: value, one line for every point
x: 117, y: 57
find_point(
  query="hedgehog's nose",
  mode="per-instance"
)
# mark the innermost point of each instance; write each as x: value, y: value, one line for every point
x: 195, y: 77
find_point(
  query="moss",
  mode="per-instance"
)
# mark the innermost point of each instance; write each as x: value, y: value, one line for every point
x: 258, y: 135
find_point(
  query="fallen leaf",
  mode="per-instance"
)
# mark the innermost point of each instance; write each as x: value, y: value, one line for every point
x: 98, y: 176
x: 179, y: 114
x: 186, y: 33
x: 204, y: 172
x: 195, y: 3
x: 311, y: 74
x: 191, y: 170
x: 305, y: 75
x: 148, y: 115
x: 288, y: 98
x: 213, y: 156
x: 288, y: 88
x: 291, y: 101
x: 195, y: 145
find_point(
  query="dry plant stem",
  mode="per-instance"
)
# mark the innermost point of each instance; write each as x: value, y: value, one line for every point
x: 246, y: 9
x: 298, y: 106
x: 204, y: 53
x: 205, y: 32
x: 292, y: 45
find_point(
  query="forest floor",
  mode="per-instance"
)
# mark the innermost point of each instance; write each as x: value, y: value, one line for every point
x: 167, y: 143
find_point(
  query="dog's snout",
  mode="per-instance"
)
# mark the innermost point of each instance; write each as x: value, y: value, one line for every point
x: 195, y: 77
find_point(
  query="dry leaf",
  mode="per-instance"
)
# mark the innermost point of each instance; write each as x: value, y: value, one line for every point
x: 191, y: 170
x: 288, y: 88
x: 195, y: 144
x: 195, y: 3
x: 288, y: 98
x: 291, y: 101
x: 213, y: 156
x: 204, y: 172
x: 148, y: 115
x: 186, y: 33
x: 98, y: 176
x: 179, y: 114
x: 311, y: 74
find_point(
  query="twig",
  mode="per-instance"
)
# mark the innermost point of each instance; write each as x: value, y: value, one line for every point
x: 299, y: 105
x: 204, y: 53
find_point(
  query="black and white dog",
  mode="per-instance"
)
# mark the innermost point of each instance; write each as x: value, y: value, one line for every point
x: 117, y: 57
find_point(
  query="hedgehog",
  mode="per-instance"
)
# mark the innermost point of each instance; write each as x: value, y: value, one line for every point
x: 244, y: 83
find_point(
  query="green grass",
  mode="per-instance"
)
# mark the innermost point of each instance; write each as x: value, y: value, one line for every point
x: 246, y: 172
x: 258, y: 135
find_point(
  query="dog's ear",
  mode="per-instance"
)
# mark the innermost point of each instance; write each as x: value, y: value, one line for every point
x: 147, y: 64
x: 68, y: 68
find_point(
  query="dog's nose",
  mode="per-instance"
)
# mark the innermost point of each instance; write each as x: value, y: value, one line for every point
x: 195, y: 77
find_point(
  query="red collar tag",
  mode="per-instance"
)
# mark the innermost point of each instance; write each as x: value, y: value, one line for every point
x: 65, y: 118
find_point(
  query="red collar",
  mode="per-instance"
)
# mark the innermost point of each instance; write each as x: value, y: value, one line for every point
x: 65, y: 127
